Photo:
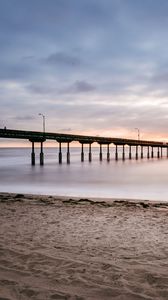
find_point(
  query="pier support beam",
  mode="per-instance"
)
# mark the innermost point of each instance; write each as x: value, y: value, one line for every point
x: 167, y: 151
x: 161, y: 151
x: 123, y: 154
x: 82, y: 154
x: 116, y: 153
x: 148, y: 154
x: 130, y: 156
x: 41, y: 155
x: 108, y: 153
x: 33, y: 155
x: 68, y: 154
x: 60, y: 154
x: 158, y: 153
x: 101, y: 154
x: 152, y: 153
x: 141, y: 151
x: 136, y: 154
x: 90, y: 152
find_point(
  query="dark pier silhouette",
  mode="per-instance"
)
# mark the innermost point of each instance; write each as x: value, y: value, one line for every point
x: 41, y: 137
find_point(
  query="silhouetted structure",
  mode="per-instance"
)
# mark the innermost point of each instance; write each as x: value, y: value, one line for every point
x: 41, y: 137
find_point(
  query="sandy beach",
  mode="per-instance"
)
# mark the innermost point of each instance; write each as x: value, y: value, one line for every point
x: 61, y: 248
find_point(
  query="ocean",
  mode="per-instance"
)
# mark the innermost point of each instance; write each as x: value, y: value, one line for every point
x: 145, y: 179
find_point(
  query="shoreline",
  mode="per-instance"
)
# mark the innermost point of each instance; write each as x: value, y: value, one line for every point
x: 92, y: 200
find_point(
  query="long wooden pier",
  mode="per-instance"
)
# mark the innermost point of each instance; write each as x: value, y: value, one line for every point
x: 41, y: 137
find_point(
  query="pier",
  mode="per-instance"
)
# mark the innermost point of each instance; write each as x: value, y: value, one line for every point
x: 40, y: 137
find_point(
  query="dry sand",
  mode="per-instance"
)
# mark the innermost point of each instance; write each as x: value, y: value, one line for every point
x: 53, y: 248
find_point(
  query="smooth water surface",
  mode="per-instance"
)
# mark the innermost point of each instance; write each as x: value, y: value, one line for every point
x: 133, y: 179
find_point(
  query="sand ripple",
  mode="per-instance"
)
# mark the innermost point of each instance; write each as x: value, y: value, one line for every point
x: 54, y: 248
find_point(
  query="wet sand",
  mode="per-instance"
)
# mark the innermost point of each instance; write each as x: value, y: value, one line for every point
x: 61, y: 248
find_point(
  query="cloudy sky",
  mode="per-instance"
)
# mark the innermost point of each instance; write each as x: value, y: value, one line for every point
x: 90, y: 66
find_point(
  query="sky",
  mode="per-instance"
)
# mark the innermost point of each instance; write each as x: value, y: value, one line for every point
x: 97, y: 67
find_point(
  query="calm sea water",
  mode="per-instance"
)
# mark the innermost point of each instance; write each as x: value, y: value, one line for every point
x: 134, y: 179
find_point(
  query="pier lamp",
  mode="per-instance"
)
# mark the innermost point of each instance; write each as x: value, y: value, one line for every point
x: 43, y: 116
x: 138, y: 133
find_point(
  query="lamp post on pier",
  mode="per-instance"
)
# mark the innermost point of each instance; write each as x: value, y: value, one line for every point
x: 41, y: 153
x: 136, y: 155
x: 43, y: 116
x: 138, y: 133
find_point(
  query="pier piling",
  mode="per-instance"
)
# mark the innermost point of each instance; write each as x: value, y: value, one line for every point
x: 90, y: 152
x: 60, y: 154
x: 152, y: 153
x: 82, y: 154
x: 33, y: 155
x: 136, y: 154
x: 123, y: 154
x: 148, y: 154
x: 68, y: 154
x: 116, y: 153
x: 141, y: 151
x: 108, y: 153
x: 130, y: 154
x: 41, y: 155
x: 101, y: 154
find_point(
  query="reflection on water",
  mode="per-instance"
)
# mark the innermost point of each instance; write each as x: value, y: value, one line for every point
x: 135, y: 179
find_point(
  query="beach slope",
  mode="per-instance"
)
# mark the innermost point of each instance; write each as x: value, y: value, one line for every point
x: 61, y: 248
